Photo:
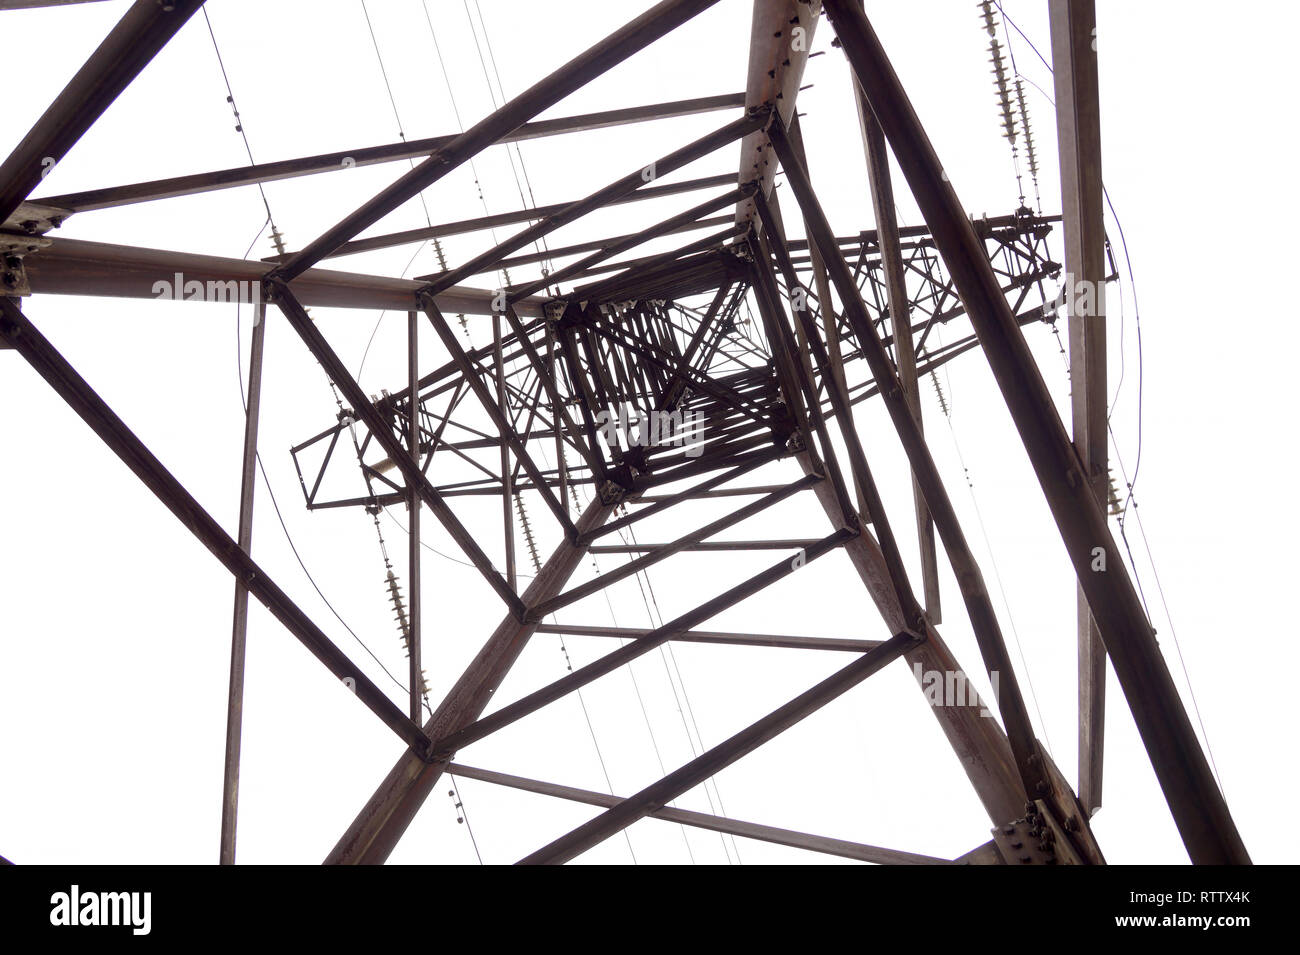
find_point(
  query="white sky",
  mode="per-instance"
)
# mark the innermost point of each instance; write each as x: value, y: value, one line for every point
x: 114, y: 635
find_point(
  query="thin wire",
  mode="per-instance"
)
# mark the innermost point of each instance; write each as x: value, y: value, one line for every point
x: 1137, y: 324
x: 1119, y: 385
x: 473, y: 168
x: 239, y: 358
x: 631, y: 672
x: 1129, y: 499
x: 665, y: 656
x: 600, y: 756
x: 1137, y: 320
x: 993, y: 561
x: 401, y: 133
x: 464, y: 814
x: 529, y: 201
x: 403, y: 528
x: 275, y: 504
x: 239, y: 123
x: 1196, y: 706
x: 374, y: 331
x: 1007, y: 19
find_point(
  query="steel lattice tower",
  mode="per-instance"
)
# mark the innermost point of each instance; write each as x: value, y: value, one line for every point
x: 721, y: 375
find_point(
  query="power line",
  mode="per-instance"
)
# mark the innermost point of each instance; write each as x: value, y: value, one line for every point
x: 266, y: 481
x: 528, y: 202
x: 993, y: 561
x: 1130, y: 483
x: 656, y: 619
x: 275, y: 504
x: 458, y: 803
x: 239, y: 128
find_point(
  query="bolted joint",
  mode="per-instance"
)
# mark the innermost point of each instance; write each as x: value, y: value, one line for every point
x: 274, y: 287
x: 430, y: 755
x: 13, y: 276
x: 612, y: 493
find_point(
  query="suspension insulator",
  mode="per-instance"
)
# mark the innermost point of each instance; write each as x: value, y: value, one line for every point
x: 1116, y: 507
x: 999, y: 72
x: 938, y: 390
x: 990, y: 23
x: 399, y: 606
x: 527, y: 529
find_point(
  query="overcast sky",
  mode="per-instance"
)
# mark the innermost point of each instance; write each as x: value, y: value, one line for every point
x: 114, y: 627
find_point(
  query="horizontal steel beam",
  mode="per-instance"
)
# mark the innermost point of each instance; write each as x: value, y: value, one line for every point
x: 713, y: 823
x: 725, y: 492
x: 560, y: 252
x: 33, y: 4
x: 629, y: 810
x: 789, y: 642
x: 77, y: 267
x: 667, y: 550
x: 462, y: 226
x: 689, y: 220
x: 792, y: 544
x: 448, y: 745
x: 371, y: 155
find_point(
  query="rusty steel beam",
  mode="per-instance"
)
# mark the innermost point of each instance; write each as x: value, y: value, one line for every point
x: 598, y: 59
x: 1195, y: 801
x: 708, y: 821
x: 78, y: 267
x: 382, y: 431
x: 980, y: 745
x: 979, y: 606
x: 239, y: 627
x: 19, y: 332
x: 1078, y: 133
x: 487, y: 725
x: 388, y: 813
x: 891, y: 260
x: 780, y: 38
x: 718, y: 636
x: 415, y: 596
x: 132, y: 44
x: 709, y: 763
x: 371, y: 155
x: 621, y: 188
